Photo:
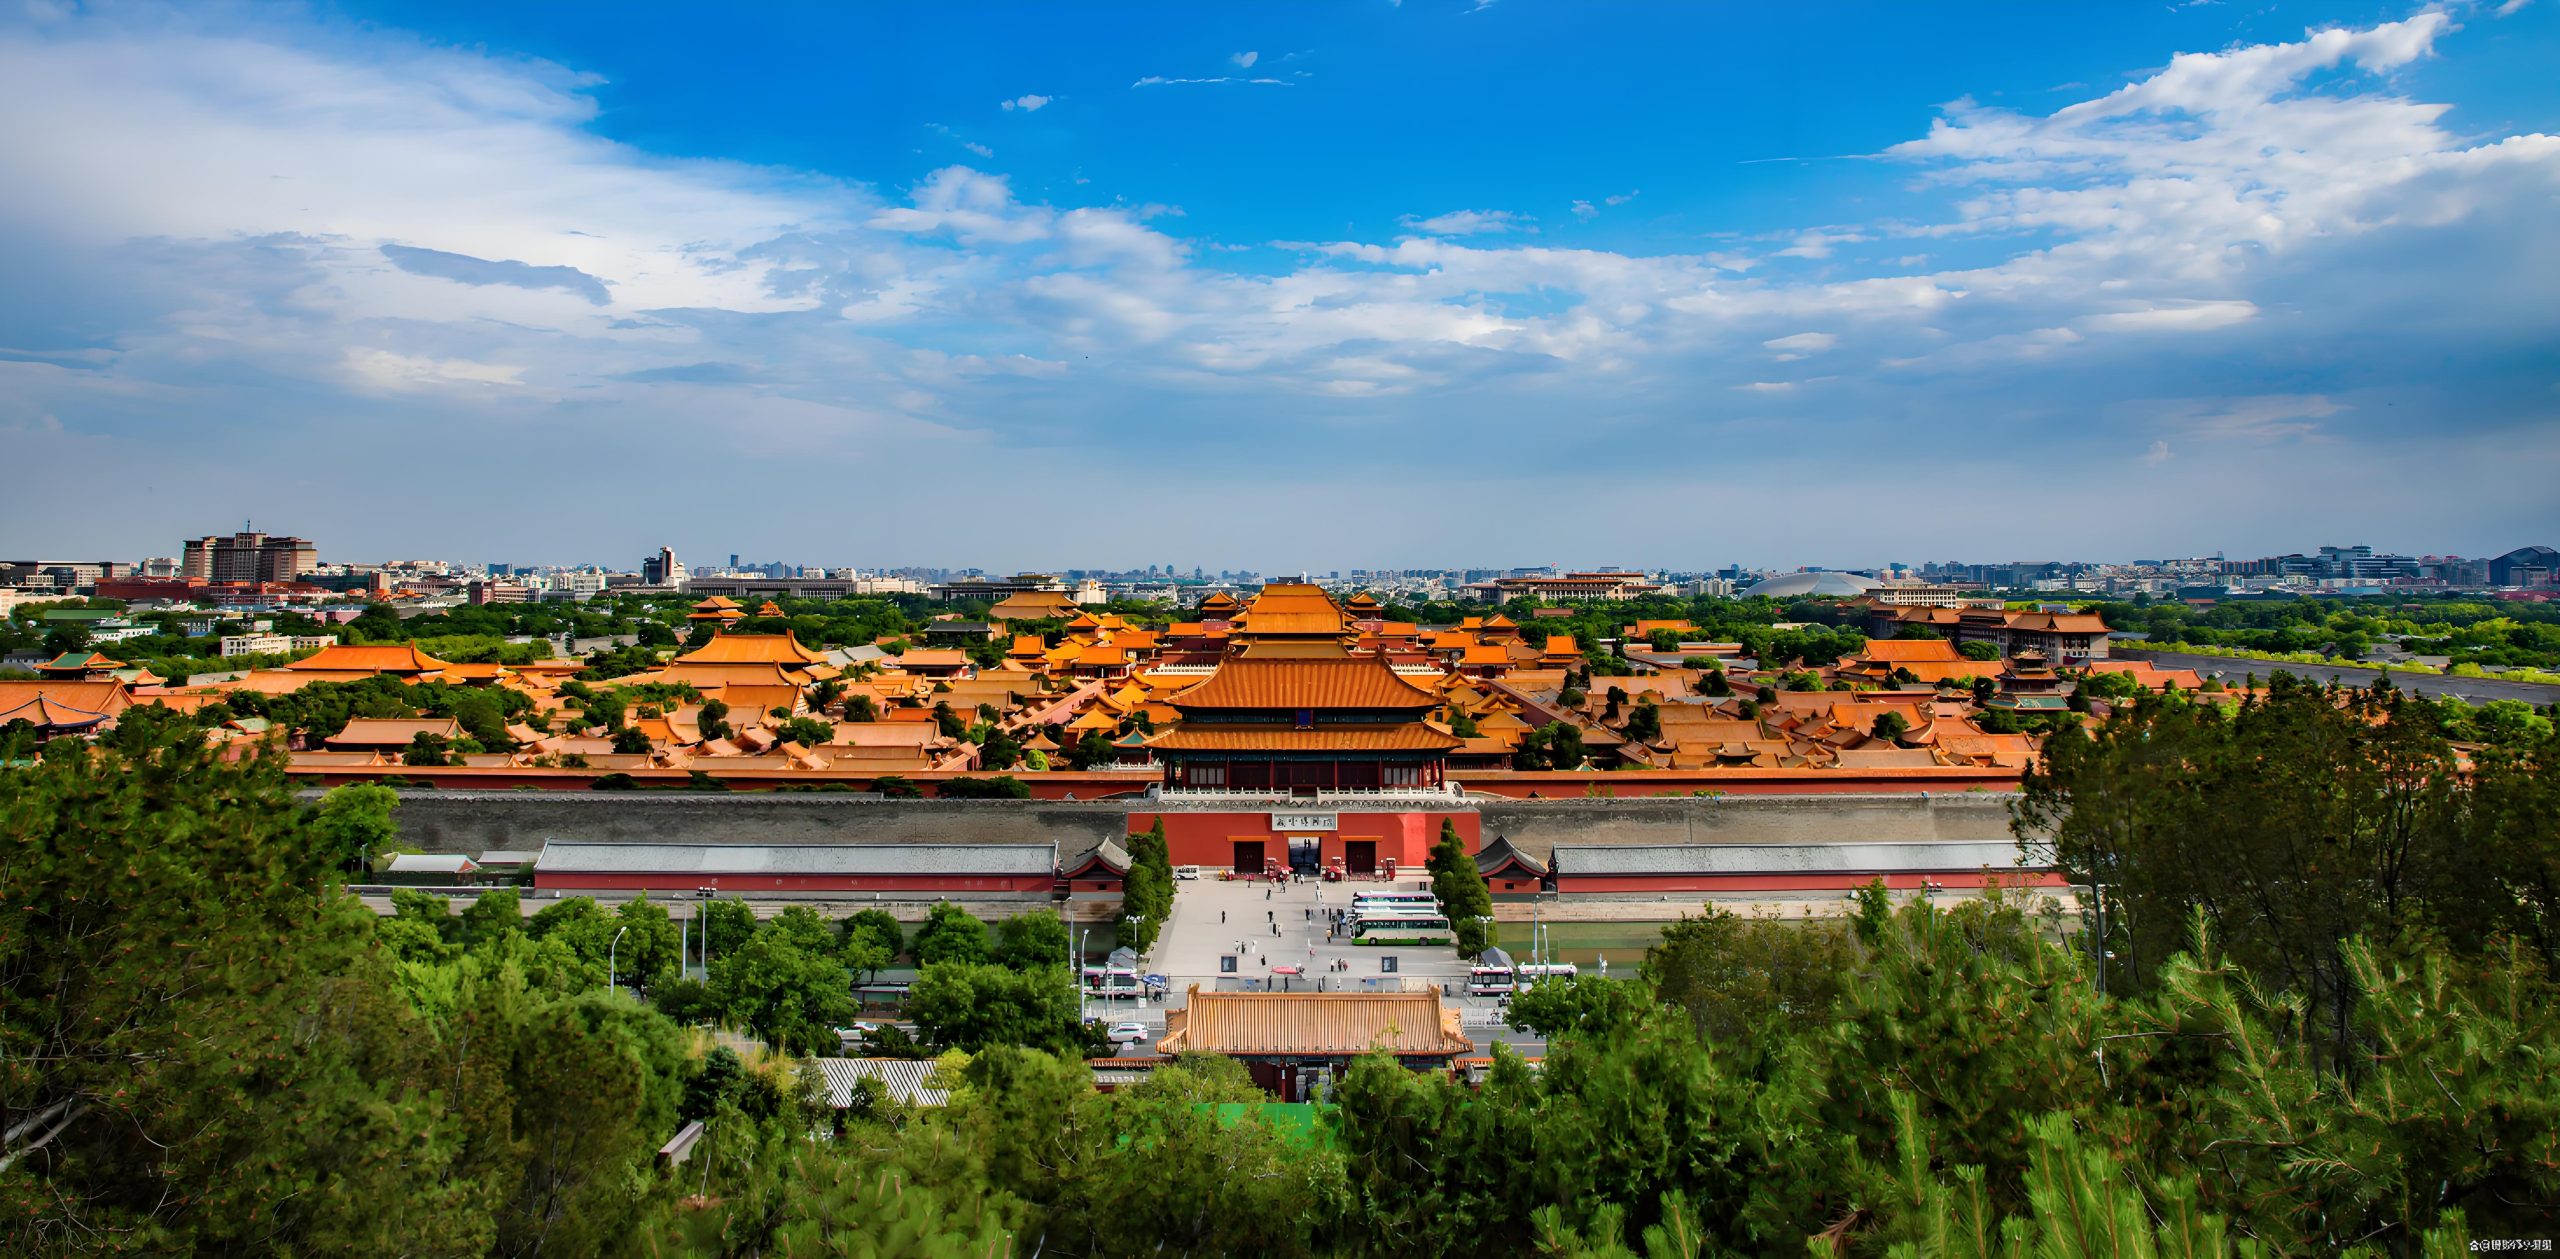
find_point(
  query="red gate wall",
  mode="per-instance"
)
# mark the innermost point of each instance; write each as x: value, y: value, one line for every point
x: 1208, y: 840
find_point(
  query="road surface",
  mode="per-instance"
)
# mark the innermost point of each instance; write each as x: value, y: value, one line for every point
x: 2469, y: 690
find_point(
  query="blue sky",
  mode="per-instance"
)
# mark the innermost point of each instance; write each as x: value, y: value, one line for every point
x: 1282, y: 286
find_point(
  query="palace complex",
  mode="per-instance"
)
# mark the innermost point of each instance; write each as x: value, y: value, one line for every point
x: 1288, y: 694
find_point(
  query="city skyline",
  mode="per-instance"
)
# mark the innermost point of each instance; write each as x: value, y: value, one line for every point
x: 1405, y: 282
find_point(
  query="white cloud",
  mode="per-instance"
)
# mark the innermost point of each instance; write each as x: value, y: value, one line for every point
x: 1587, y: 211
x: 2268, y: 418
x: 1801, y: 344
x: 383, y: 369
x: 2158, y: 454
x: 1028, y: 103
x: 1158, y: 80
x: 1470, y: 223
x: 1817, y: 243
x: 1245, y: 60
x: 2186, y: 316
x: 1768, y: 386
x: 955, y: 137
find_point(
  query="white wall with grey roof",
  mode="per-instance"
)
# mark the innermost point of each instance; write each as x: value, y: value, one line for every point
x: 477, y: 821
x: 1720, y: 859
x: 1539, y: 827
x: 570, y: 857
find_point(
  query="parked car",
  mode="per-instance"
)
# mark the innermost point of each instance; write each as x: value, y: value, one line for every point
x: 1130, y: 1033
x: 1186, y: 872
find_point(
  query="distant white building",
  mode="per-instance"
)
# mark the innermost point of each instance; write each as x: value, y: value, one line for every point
x: 274, y: 644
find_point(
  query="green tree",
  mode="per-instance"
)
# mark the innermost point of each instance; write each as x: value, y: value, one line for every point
x: 1146, y: 895
x: 1032, y: 941
x: 951, y: 934
x: 972, y: 1005
x: 354, y: 820
x: 1978, y: 650
x: 725, y: 925
x: 429, y: 748
x: 1462, y: 891
x: 651, y: 953
x: 495, y: 914
x: 1644, y: 723
x: 713, y: 720
x: 197, y: 1030
x: 2303, y: 820
x: 1745, y: 981
x: 787, y: 983
x: 807, y: 731
x: 1092, y: 751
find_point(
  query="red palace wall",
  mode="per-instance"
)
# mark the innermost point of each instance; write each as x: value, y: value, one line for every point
x: 1208, y: 840
x: 1011, y: 883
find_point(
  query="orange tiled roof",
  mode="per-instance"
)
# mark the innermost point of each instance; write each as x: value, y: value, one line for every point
x: 1344, y: 1023
x: 780, y: 648
x: 1342, y: 682
x: 1911, y: 650
x: 1031, y: 605
x: 1294, y: 609
x: 1193, y: 736
x: 386, y: 732
x: 47, y: 713
x: 96, y: 695
x: 392, y: 658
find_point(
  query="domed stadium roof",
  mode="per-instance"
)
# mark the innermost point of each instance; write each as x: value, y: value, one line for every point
x: 1799, y: 585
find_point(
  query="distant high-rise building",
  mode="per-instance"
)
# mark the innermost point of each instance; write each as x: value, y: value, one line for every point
x: 247, y: 556
x: 2525, y: 566
x: 662, y: 569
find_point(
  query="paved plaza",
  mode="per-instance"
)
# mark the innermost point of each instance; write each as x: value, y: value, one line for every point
x: 1213, y: 920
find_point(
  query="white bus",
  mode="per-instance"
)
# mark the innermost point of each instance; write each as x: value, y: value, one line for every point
x: 1111, y: 981
x: 1497, y: 981
x: 1384, y: 900
x: 1398, y: 923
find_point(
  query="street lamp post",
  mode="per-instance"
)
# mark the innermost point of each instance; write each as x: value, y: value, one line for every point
x: 609, y: 951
